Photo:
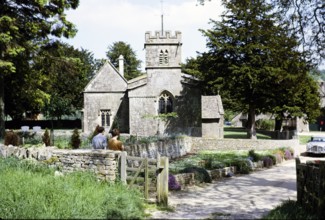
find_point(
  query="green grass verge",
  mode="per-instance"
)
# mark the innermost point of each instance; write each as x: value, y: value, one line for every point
x: 303, y: 139
x: 217, y: 159
x: 29, y: 190
x: 289, y: 210
x: 241, y: 133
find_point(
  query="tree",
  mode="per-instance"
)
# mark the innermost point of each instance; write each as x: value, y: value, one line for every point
x: 131, y: 63
x: 255, y: 58
x: 67, y: 71
x: 306, y: 19
x: 24, y: 26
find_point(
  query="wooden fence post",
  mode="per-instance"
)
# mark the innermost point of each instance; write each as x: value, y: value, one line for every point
x: 146, y: 179
x: 123, y: 167
x: 157, y: 176
x: 162, y: 181
x: 298, y: 179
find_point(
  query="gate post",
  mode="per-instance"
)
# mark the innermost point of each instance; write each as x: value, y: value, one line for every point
x: 146, y: 179
x: 123, y: 167
x: 162, y: 181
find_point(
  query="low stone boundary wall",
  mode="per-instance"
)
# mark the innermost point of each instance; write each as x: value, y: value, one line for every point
x: 171, y: 148
x: 101, y: 162
x: 178, y: 147
x: 104, y: 163
x: 311, y: 186
x: 199, y: 144
x: 185, y: 179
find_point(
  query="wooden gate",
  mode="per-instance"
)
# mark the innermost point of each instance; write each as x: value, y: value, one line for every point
x: 151, y: 175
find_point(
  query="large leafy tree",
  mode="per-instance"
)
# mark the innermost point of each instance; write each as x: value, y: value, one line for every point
x: 307, y: 21
x: 24, y: 26
x: 254, y: 57
x: 53, y: 83
x: 67, y: 71
x: 131, y: 63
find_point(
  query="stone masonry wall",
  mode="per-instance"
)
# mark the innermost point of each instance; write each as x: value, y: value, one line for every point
x: 240, y: 144
x: 178, y: 147
x: 104, y: 162
x: 101, y: 162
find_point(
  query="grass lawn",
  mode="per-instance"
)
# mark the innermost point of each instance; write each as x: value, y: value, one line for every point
x: 303, y: 139
x: 241, y: 133
x: 30, y: 190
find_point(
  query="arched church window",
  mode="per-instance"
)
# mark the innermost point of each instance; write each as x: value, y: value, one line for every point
x: 162, y: 105
x: 165, y: 103
x: 163, y: 57
x: 169, y: 106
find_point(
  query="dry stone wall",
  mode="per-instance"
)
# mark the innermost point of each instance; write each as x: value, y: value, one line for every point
x: 101, y: 162
x: 178, y: 147
x: 104, y: 162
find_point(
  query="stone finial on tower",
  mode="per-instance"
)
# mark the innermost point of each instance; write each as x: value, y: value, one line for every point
x: 121, y: 64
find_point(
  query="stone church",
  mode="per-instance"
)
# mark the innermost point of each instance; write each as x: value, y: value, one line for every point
x: 163, y: 101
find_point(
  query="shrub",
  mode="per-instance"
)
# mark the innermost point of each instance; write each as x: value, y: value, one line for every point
x: 267, y: 161
x: 200, y: 174
x: 265, y: 124
x: 272, y: 156
x: 255, y: 157
x: 208, y: 160
x: 46, y: 138
x: 278, y: 158
x: 11, y: 138
x: 172, y: 183
x: 288, y: 154
x: 244, y: 166
x: 75, y: 139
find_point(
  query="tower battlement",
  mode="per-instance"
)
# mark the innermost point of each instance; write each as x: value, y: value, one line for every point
x: 166, y: 35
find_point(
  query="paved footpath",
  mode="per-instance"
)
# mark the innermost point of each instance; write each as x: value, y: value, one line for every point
x: 240, y: 197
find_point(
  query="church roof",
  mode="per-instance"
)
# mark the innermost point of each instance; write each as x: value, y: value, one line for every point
x: 138, y: 81
x: 107, y: 79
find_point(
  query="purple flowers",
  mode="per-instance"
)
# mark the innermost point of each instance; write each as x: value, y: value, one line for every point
x: 288, y: 154
x: 172, y: 183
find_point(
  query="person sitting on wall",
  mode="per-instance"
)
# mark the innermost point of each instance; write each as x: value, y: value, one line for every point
x: 114, y: 143
x: 100, y: 140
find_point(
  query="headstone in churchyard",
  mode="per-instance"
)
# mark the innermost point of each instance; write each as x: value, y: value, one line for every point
x: 36, y: 128
x: 24, y: 128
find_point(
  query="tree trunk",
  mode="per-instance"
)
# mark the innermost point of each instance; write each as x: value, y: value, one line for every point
x: 278, y: 124
x: 251, y: 129
x: 2, y: 106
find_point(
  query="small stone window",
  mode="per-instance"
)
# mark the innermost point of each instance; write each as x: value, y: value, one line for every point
x: 163, y: 57
x: 165, y: 103
x: 105, y: 117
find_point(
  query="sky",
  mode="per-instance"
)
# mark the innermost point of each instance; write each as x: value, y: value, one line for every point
x: 100, y: 23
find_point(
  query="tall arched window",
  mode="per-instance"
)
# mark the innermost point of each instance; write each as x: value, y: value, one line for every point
x: 165, y: 103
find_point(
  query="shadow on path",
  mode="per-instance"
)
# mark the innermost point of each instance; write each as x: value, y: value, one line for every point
x: 240, y: 197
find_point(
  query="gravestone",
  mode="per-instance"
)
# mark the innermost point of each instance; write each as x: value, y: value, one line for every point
x: 24, y: 128
x: 37, y: 128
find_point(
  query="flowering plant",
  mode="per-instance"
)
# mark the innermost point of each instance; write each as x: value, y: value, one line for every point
x: 172, y: 183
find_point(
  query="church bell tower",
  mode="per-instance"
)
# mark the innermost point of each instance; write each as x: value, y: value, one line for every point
x: 163, y: 50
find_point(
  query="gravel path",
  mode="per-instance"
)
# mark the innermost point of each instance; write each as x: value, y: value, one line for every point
x: 240, y: 197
